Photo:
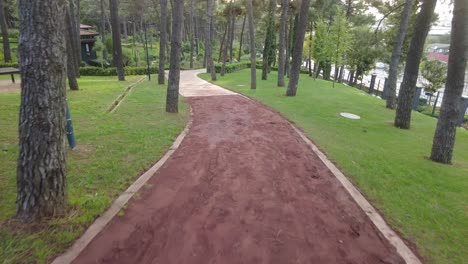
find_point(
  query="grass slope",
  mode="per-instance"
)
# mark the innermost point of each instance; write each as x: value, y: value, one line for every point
x: 425, y: 201
x: 113, y: 149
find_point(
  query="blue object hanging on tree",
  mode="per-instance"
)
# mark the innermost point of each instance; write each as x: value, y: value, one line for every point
x: 70, y: 133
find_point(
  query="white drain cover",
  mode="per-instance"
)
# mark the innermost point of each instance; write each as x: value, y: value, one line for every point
x: 350, y: 116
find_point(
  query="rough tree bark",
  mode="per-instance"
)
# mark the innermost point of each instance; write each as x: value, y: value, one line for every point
x: 71, y: 64
x: 282, y: 40
x: 41, y: 170
x: 298, y: 47
x: 396, y: 53
x: 4, y: 27
x: 172, y: 99
x: 162, y: 41
x: 208, y: 50
x: 116, y: 41
x: 253, y: 69
x: 444, y: 138
x: 415, y: 52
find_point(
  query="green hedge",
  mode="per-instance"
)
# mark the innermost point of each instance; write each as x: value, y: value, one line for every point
x: 5, y: 65
x: 98, y: 71
x: 232, y: 67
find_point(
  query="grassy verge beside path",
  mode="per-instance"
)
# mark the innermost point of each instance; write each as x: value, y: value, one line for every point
x: 113, y: 149
x: 426, y: 201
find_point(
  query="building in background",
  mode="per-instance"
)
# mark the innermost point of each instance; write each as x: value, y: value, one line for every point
x: 88, y: 38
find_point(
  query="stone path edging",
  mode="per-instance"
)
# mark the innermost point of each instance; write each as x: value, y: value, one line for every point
x: 100, y: 223
x: 405, y: 252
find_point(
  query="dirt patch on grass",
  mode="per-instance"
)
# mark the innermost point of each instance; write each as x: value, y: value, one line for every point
x: 242, y: 188
x: 82, y: 151
x: 9, y: 87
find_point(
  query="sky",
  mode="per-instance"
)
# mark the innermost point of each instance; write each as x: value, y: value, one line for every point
x: 444, y: 10
x: 443, y: 25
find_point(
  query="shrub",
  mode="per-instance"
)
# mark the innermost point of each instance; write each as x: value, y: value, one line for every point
x: 5, y: 65
x: 98, y: 71
x: 422, y: 101
x: 232, y: 67
x: 13, y: 34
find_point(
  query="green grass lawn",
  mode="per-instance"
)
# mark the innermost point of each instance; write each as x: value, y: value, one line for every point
x: 113, y: 149
x: 425, y: 201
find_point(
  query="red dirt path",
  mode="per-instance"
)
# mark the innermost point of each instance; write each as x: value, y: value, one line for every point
x: 242, y: 188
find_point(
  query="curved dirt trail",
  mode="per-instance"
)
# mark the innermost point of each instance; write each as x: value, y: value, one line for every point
x: 242, y: 188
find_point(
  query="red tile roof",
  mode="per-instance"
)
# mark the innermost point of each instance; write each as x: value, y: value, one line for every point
x: 83, y: 26
x: 438, y: 56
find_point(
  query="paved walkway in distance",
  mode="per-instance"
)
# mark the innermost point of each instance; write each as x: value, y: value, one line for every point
x: 242, y: 188
x: 192, y: 86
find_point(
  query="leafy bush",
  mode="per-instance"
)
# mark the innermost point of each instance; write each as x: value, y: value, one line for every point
x: 232, y: 67
x: 98, y: 71
x: 13, y: 34
x: 5, y: 65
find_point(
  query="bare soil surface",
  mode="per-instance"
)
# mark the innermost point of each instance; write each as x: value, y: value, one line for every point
x: 242, y: 188
x: 6, y: 86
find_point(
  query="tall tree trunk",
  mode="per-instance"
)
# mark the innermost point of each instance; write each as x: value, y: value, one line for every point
x: 340, y: 75
x: 76, y: 37
x: 444, y: 138
x: 268, y: 39
x: 103, y: 30
x: 6, y: 42
x: 415, y: 52
x: 288, y: 36
x: 310, y: 48
x: 292, y: 37
x: 396, y: 53
x: 197, y: 36
x: 253, y: 63
x: 78, y: 26
x: 222, y: 43
x: 117, y: 45
x: 125, y: 28
x: 282, y: 40
x: 208, y: 50
x: 225, y: 50
x: 231, y: 36
x: 162, y: 41
x: 134, y: 39
x: 298, y: 47
x: 172, y: 99
x: 70, y: 30
x: 192, y: 29
x: 239, y: 55
x: 228, y: 42
x: 42, y: 166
